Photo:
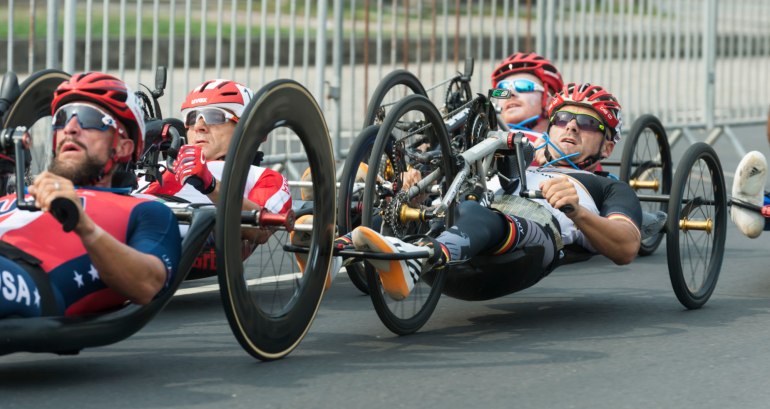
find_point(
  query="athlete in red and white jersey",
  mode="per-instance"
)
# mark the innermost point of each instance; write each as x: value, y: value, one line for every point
x: 122, y: 248
x: 210, y: 112
x: 264, y: 187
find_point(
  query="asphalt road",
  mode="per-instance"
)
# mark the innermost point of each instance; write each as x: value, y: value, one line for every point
x: 591, y: 335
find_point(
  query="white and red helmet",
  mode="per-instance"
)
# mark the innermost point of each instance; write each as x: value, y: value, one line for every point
x: 219, y: 93
x: 529, y: 63
x: 594, y: 97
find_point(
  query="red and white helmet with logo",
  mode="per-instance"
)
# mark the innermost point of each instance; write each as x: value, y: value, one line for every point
x: 109, y: 93
x: 219, y: 93
x: 529, y: 63
x: 594, y: 97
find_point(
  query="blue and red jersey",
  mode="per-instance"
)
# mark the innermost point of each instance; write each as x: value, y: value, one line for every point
x: 147, y: 226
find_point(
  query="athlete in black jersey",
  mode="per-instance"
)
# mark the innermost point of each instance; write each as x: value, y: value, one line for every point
x: 584, y: 126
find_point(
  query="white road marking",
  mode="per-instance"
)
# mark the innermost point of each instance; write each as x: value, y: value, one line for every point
x: 215, y: 287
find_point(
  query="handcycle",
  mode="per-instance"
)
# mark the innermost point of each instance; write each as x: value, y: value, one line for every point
x: 269, y: 305
x: 395, y: 85
x: 696, y: 211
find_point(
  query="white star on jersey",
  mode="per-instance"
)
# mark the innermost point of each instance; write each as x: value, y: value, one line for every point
x: 79, y: 279
x: 93, y: 273
x: 37, y: 299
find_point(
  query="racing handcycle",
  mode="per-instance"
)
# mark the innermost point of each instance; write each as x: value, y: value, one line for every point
x: 269, y: 304
x: 391, y: 89
x: 457, y: 168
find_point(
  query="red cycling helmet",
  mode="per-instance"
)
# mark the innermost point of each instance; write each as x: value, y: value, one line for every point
x: 594, y: 97
x: 109, y: 93
x: 530, y: 63
x: 219, y: 93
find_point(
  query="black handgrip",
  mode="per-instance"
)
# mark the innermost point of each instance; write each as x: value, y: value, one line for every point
x: 538, y: 194
x: 468, y: 71
x: 567, y: 208
x: 66, y: 212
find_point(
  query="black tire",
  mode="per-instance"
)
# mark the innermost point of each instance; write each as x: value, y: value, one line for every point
x: 647, y: 158
x: 408, y: 315
x: 349, y: 199
x: 375, y: 112
x: 698, y: 195
x: 32, y: 105
x: 360, y: 151
x: 270, y: 314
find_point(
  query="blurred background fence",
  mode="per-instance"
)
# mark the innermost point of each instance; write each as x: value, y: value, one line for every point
x: 697, y: 64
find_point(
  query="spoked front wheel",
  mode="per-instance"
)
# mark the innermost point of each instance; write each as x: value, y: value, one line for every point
x: 696, y: 226
x: 646, y: 167
x: 412, y: 142
x: 270, y: 301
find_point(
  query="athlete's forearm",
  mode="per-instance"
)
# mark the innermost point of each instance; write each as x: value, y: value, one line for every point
x: 247, y: 204
x: 253, y: 235
x: 136, y: 275
x: 618, y: 240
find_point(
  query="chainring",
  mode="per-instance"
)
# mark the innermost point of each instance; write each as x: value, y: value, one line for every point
x: 455, y: 95
x: 479, y: 122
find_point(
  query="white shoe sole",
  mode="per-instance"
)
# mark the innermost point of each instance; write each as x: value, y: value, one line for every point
x: 748, y: 186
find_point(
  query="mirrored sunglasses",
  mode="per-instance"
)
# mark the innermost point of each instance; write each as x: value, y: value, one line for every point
x: 585, y: 122
x: 520, y: 85
x: 89, y: 117
x: 211, y: 116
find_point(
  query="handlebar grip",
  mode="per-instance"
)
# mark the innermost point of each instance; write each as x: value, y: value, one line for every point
x: 538, y: 194
x: 66, y: 212
x: 567, y: 209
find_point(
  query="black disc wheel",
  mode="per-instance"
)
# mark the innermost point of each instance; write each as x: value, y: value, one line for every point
x: 412, y: 142
x: 32, y: 109
x: 696, y: 226
x: 350, y: 194
x: 269, y: 300
x: 390, y: 90
x: 646, y: 167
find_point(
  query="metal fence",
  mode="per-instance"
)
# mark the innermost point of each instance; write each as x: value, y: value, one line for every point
x: 694, y: 63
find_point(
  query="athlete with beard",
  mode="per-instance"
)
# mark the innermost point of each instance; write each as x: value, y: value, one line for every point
x: 532, y: 80
x: 123, y: 249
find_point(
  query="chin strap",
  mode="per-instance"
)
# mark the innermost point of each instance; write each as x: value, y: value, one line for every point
x: 580, y: 165
x: 111, y: 161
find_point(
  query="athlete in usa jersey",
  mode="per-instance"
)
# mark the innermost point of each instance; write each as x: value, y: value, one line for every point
x: 75, y: 283
x: 121, y: 248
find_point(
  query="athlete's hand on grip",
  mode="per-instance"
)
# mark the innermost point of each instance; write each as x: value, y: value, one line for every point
x: 48, y: 187
x: 57, y: 195
x: 561, y: 194
x: 190, y: 167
